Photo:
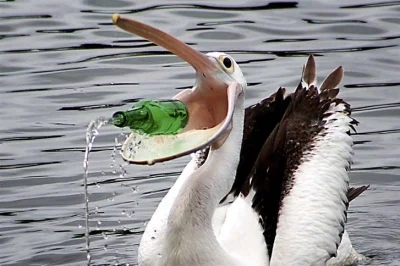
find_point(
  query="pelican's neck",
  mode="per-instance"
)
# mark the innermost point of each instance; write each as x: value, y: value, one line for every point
x: 190, y: 237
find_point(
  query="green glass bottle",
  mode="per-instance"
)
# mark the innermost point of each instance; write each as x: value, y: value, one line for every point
x: 165, y: 117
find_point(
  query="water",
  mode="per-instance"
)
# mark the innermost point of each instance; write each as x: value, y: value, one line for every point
x: 64, y: 64
x: 91, y: 133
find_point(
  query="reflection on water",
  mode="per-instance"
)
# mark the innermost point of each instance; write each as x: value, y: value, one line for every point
x: 64, y: 64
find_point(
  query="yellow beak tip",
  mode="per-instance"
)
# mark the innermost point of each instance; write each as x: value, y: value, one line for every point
x: 115, y: 18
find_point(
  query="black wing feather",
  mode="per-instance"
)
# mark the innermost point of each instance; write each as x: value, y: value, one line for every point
x: 277, y: 132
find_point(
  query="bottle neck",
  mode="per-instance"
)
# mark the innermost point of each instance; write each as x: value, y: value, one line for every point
x: 134, y: 118
x: 154, y: 117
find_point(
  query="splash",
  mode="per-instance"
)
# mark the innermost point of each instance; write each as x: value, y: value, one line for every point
x: 117, y: 169
x: 91, y: 133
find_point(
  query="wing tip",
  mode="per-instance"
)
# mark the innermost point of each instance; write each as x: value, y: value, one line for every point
x: 309, y: 74
x: 333, y: 80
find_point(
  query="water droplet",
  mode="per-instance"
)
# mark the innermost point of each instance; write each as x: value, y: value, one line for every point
x: 123, y: 212
x: 79, y: 226
x: 159, y: 255
x: 135, y: 189
x: 153, y: 238
x: 99, y: 222
x: 105, y: 247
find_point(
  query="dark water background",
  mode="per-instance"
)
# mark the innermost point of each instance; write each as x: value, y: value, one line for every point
x: 63, y: 63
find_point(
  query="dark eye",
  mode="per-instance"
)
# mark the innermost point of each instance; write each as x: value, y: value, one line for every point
x: 227, y: 62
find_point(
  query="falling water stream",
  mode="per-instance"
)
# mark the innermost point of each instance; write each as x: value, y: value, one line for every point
x: 91, y: 133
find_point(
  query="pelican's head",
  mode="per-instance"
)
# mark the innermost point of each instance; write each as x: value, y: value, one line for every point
x: 208, y: 100
x: 218, y: 92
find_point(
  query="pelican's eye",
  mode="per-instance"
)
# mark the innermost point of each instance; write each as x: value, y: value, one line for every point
x: 226, y: 61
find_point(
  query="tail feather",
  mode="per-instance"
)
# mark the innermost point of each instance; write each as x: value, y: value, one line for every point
x: 353, y: 193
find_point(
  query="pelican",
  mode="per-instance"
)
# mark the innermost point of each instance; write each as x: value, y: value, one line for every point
x: 266, y: 185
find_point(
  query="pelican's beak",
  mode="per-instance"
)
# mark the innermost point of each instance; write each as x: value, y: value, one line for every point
x: 210, y: 103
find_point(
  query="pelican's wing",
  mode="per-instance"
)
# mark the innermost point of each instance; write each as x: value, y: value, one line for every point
x: 299, y: 179
x: 260, y: 121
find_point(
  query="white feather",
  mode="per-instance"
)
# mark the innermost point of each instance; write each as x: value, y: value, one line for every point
x: 311, y: 214
x: 346, y: 254
x: 242, y: 235
x: 150, y: 247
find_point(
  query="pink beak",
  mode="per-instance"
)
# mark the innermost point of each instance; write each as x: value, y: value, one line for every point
x: 210, y: 103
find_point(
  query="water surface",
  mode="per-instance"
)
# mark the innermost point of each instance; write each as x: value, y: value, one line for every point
x: 63, y: 64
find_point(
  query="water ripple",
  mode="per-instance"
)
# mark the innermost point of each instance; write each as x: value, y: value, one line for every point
x: 64, y: 64
x: 372, y: 5
x: 272, y: 5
